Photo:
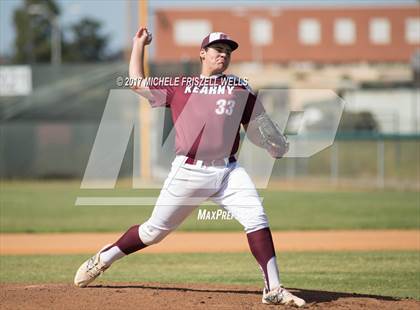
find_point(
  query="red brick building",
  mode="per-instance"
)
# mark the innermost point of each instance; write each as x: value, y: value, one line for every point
x: 285, y: 34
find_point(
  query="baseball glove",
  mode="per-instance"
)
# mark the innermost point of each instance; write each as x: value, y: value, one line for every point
x: 269, y: 135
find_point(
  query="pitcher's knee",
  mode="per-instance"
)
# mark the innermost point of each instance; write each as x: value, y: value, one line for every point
x: 150, y: 234
x: 255, y: 223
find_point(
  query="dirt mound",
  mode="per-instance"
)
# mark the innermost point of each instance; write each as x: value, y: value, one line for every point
x: 176, y: 296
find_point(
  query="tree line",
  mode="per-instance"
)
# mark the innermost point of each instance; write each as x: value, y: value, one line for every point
x: 82, y: 41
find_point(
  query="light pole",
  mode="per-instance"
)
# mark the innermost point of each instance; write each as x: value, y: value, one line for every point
x: 38, y: 9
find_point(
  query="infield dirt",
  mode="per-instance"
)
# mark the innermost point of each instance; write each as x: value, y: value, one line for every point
x: 169, y: 296
x: 205, y: 242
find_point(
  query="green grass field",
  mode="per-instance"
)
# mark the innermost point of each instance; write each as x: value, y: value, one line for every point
x: 49, y: 207
x: 379, y: 273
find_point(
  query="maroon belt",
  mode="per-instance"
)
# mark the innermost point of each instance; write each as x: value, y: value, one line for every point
x: 216, y: 162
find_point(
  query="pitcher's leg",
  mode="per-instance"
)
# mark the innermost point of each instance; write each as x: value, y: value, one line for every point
x: 165, y: 218
x: 262, y: 247
x: 184, y: 189
x: 239, y: 196
x: 175, y: 202
x: 168, y: 213
x: 128, y: 243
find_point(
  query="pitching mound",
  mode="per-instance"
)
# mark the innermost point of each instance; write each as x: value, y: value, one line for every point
x: 177, y: 296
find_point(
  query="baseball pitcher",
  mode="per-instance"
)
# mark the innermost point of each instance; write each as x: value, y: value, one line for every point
x: 208, y: 112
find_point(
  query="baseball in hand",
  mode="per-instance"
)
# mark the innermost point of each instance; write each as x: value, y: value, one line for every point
x: 145, y: 35
x: 149, y: 38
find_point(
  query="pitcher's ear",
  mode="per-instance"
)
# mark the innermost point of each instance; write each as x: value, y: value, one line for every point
x: 202, y: 53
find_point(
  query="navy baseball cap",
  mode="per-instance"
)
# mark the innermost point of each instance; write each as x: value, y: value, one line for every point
x: 219, y: 37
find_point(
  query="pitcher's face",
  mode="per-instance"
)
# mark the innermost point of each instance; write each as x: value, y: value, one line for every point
x: 216, y: 57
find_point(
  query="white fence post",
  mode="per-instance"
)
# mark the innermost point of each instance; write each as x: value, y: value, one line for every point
x: 381, y: 163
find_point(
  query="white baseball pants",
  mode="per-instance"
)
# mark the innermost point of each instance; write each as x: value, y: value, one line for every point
x: 187, y: 186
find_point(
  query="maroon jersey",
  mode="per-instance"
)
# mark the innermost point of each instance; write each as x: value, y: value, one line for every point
x: 207, y: 114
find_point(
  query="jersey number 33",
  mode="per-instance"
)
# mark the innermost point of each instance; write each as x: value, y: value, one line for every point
x: 225, y: 106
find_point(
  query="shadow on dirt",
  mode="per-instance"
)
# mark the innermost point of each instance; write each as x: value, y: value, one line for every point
x: 311, y: 296
x: 325, y: 296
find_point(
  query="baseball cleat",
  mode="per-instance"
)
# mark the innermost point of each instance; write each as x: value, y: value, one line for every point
x: 281, y: 296
x: 90, y: 269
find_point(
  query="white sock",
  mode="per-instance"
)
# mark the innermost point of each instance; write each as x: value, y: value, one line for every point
x: 273, y: 273
x: 111, y: 255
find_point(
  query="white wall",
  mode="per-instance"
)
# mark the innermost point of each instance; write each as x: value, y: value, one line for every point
x: 396, y: 110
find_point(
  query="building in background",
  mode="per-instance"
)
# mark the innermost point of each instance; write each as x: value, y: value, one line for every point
x: 286, y: 34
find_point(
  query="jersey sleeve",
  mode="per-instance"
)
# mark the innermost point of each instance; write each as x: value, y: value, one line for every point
x: 161, y: 95
x: 253, y: 108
